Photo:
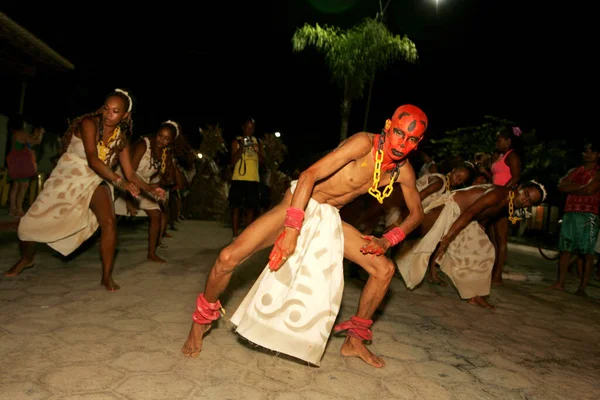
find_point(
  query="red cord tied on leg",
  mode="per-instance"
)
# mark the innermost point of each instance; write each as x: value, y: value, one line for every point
x: 356, y: 327
x: 206, y: 312
x: 294, y: 218
x: 394, y: 236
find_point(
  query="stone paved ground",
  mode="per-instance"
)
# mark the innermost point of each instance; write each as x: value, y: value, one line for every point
x: 63, y: 337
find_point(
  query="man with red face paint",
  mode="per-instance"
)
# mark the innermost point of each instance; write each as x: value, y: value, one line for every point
x: 306, y: 229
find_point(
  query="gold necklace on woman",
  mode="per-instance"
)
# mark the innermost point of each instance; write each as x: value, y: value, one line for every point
x: 104, y: 150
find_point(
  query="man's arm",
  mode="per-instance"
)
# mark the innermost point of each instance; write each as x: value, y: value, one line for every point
x: 565, y: 181
x: 475, y: 211
x: 412, y: 199
x: 352, y: 149
x: 407, y: 181
x: 588, y: 189
x: 432, y: 188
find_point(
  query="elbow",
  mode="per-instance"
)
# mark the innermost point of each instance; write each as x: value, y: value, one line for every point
x: 307, y: 177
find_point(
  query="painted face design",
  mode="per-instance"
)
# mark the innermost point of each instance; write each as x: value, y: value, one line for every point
x: 404, y: 131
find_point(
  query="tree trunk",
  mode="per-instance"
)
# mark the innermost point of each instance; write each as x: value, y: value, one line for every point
x: 368, y: 102
x: 345, y: 114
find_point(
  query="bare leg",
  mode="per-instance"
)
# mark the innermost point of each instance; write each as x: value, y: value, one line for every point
x: 22, y: 191
x: 433, y: 275
x: 381, y: 271
x: 501, y: 236
x: 14, y: 189
x: 235, y: 221
x: 587, y: 274
x: 259, y: 235
x: 102, y: 206
x: 27, y: 259
x: 563, y: 266
x: 153, y: 233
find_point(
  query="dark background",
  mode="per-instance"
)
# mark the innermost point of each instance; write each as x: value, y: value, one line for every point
x: 207, y: 62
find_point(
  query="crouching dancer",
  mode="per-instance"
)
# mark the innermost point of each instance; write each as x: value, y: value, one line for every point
x: 294, y: 303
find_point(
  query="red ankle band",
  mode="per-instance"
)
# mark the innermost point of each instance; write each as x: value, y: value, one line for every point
x: 206, y: 312
x: 356, y: 327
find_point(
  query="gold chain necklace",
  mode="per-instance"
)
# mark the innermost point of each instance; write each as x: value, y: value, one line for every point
x: 511, y: 208
x: 448, y: 182
x: 163, y: 164
x: 373, y: 190
x: 104, y: 150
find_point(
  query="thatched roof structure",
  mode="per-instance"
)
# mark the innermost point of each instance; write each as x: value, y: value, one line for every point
x: 21, y: 52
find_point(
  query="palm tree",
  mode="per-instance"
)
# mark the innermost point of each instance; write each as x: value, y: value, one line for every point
x: 354, y: 55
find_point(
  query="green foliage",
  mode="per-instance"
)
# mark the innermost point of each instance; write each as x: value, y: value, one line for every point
x: 545, y: 159
x: 275, y: 151
x: 468, y: 140
x: 354, y: 55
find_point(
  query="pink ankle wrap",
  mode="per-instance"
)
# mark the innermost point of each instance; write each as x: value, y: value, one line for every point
x: 394, y: 236
x: 294, y: 218
x: 356, y: 327
x: 206, y: 312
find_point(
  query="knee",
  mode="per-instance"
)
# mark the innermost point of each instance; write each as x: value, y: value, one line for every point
x: 384, y: 269
x: 108, y: 224
x: 226, y: 261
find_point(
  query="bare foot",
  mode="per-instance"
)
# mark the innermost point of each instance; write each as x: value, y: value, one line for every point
x: 436, y: 280
x: 19, y: 267
x: 557, y: 286
x: 193, y: 345
x: 480, y: 301
x: 354, y: 347
x: 156, y: 258
x: 167, y: 235
x: 580, y: 292
x: 110, y: 284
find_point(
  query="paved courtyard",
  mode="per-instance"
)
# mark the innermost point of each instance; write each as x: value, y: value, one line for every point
x: 62, y: 336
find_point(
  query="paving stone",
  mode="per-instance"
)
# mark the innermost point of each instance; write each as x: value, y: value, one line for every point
x: 84, y: 378
x: 156, y: 387
x: 343, y: 383
x: 23, y: 391
x: 145, y: 362
x: 439, y: 372
x: 416, y: 388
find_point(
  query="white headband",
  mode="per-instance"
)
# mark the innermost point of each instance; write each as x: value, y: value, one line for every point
x: 542, y: 188
x: 470, y: 163
x: 128, y: 98
x: 175, y: 125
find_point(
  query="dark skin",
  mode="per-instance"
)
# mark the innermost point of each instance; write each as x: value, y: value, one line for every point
x: 476, y: 205
x: 590, y: 161
x: 101, y: 203
x: 499, y: 228
x: 369, y: 217
x: 163, y: 138
x: 237, y: 149
x: 337, y: 179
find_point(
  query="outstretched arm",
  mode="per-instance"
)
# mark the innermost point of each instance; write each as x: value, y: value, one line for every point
x: 433, y: 187
x: 351, y: 149
x: 476, y: 211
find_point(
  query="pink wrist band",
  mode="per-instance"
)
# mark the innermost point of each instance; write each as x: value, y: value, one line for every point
x: 395, y: 236
x: 294, y: 217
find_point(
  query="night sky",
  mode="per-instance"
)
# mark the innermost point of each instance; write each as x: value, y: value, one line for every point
x: 202, y: 64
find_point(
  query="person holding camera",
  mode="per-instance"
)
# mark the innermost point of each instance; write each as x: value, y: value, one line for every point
x: 246, y: 155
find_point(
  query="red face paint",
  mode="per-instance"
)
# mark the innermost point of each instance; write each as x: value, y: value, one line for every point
x: 403, y: 132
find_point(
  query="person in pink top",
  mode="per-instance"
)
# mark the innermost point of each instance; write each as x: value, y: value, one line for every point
x: 506, y: 171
